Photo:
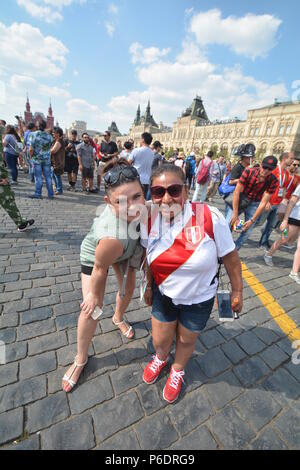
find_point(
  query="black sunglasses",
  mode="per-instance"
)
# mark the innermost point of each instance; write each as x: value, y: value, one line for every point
x: 112, y: 177
x: 175, y: 190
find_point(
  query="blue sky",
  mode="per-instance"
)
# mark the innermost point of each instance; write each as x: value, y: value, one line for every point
x: 98, y: 59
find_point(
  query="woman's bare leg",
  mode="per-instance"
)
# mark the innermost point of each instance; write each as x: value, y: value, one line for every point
x: 292, y: 236
x: 296, y: 263
x: 162, y: 336
x: 85, y: 332
x: 123, y: 302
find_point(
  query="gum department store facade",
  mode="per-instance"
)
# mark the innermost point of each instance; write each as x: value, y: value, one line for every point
x: 271, y: 129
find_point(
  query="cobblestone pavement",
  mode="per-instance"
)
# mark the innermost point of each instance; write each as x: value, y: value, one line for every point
x: 241, y: 388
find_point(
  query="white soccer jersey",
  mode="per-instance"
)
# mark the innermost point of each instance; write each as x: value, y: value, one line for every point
x: 184, y: 271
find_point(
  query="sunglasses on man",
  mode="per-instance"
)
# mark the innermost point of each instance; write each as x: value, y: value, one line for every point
x: 174, y: 190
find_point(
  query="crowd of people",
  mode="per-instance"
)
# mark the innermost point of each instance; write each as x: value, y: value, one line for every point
x: 174, y: 242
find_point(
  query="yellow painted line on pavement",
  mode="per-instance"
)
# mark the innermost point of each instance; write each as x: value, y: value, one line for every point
x: 287, y: 325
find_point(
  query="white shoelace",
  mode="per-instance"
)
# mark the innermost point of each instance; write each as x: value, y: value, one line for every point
x: 156, y: 364
x: 176, y: 378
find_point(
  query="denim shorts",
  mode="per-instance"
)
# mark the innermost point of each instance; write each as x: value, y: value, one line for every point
x: 193, y: 317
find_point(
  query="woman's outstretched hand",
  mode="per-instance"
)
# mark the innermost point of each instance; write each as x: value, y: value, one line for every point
x: 89, y: 304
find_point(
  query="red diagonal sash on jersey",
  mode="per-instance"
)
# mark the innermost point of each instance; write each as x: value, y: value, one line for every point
x: 183, y: 247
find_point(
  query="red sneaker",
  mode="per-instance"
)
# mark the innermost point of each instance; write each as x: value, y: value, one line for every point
x: 153, y: 369
x: 173, y: 385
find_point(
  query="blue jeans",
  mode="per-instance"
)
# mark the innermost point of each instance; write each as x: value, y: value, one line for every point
x: 202, y: 189
x: 43, y: 168
x: 228, y: 213
x: 12, y: 163
x: 30, y: 167
x: 270, y: 225
x: 249, y: 213
x: 58, y: 182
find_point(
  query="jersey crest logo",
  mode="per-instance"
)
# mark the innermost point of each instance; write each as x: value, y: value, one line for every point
x: 193, y: 234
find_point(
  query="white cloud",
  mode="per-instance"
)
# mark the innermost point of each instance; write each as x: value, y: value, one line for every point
x: 24, y: 50
x: 146, y: 55
x: 75, y: 73
x: 110, y: 28
x: 47, y: 10
x: 250, y: 35
x: 172, y: 85
x: 113, y: 9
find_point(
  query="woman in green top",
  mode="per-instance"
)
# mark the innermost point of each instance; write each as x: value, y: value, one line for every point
x: 111, y: 242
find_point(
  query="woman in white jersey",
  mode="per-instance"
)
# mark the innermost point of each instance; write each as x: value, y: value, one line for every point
x: 182, y: 266
x: 112, y: 241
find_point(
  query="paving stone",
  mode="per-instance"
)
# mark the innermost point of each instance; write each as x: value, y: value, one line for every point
x: 257, y: 407
x: 45, y: 301
x: 53, y: 341
x: 283, y: 386
x: 32, y: 443
x: 286, y: 346
x: 214, y: 362
x: 293, y: 369
x: 266, y: 335
x: 90, y: 393
x: 44, y: 282
x: 194, y: 377
x: 124, y: 440
x: 18, y: 306
x: 230, y: 330
x: 7, y: 297
x: 20, y: 285
x: 250, y: 343
x: 130, y: 353
x: 34, y: 274
x: 71, y: 296
x: 288, y: 424
x: 150, y: 398
x: 110, y: 417
x: 66, y: 355
x: 74, y: 434
x: 21, y: 268
x: 107, y: 341
x: 37, y: 293
x: 67, y: 278
x: 67, y: 321
x: 156, y: 432
x: 47, y: 412
x: 223, y: 390
x: 37, y: 365
x: 11, y: 425
x: 199, y: 439
x: 8, y: 277
x: 190, y: 411
x: 67, y: 307
x: 231, y: 429
x: 251, y: 371
x: 35, y: 329
x: 8, y: 335
x: 9, y: 320
x: 275, y: 328
x: 126, y: 378
x: 212, y: 338
x: 22, y: 393
x: 99, y: 365
x: 8, y: 373
x: 15, y: 352
x: 35, y: 315
x: 107, y: 326
x: 234, y: 353
x: 274, y: 356
x: 137, y: 316
x: 268, y: 440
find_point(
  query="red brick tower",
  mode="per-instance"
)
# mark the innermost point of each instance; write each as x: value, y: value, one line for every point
x: 28, y: 114
x: 50, y: 118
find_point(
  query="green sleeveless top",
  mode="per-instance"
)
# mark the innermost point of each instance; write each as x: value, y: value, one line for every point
x: 107, y: 225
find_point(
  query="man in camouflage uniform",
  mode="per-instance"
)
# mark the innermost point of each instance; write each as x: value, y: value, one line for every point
x: 7, y: 197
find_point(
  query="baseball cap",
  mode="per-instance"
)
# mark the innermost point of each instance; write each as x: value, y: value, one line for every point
x: 269, y: 162
x: 157, y: 144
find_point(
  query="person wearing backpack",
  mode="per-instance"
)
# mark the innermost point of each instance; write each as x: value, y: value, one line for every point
x: 203, y: 177
x: 189, y: 168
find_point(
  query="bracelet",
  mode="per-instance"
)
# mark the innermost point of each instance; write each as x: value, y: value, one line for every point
x: 252, y: 220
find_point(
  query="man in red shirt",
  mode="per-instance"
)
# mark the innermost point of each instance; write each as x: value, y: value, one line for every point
x: 252, y: 194
x: 282, y: 176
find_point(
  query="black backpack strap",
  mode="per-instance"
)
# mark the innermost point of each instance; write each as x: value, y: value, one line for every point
x: 217, y: 276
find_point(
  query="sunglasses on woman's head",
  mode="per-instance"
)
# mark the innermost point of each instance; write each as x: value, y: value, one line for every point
x: 175, y: 190
x: 112, y: 176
